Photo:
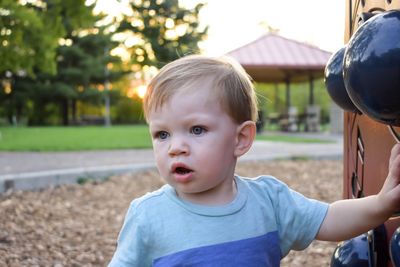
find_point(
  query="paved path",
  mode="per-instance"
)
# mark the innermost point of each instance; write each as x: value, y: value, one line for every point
x: 33, y: 170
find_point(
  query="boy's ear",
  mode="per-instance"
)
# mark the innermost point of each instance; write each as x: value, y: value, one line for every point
x: 246, y: 133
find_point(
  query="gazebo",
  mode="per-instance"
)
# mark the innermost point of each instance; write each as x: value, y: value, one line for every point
x: 276, y: 59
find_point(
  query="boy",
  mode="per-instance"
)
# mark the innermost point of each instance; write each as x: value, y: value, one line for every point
x: 201, y: 112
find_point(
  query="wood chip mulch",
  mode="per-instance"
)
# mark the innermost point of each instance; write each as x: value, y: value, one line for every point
x: 78, y: 225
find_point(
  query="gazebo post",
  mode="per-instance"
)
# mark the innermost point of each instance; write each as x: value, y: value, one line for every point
x: 276, y: 91
x: 312, y: 110
x: 311, y: 96
x: 288, y: 102
x: 291, y: 111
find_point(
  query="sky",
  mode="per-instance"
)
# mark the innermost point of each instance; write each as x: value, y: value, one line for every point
x: 233, y: 23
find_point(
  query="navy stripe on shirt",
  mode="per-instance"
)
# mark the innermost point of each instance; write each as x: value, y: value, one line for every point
x: 251, y: 252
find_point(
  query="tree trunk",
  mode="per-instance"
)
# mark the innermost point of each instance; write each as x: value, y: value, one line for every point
x: 64, y: 112
x: 74, y: 111
x: 18, y: 112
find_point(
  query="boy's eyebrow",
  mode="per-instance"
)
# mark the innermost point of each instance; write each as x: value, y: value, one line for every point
x: 156, y: 125
x: 195, y: 119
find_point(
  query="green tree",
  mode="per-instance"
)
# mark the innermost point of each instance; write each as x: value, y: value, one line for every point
x: 29, y: 33
x: 55, y: 56
x: 29, y: 36
x: 26, y: 40
x: 161, y: 31
x: 83, y: 69
x: 81, y: 73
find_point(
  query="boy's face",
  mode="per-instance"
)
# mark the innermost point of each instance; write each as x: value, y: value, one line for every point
x: 194, y: 142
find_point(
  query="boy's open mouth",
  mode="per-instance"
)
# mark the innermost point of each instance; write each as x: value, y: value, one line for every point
x: 182, y: 170
x: 181, y: 173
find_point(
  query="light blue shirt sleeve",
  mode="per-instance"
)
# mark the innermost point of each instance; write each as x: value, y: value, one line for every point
x: 132, y: 241
x: 298, y: 217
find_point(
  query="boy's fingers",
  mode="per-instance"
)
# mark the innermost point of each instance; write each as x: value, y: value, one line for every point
x: 395, y: 166
x: 394, y: 153
x: 396, y: 148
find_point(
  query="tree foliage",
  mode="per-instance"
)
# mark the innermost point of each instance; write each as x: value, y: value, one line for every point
x: 56, y: 57
x: 30, y: 32
x: 83, y: 69
x: 160, y: 31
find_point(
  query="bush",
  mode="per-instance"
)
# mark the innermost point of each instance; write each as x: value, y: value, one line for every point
x: 128, y: 111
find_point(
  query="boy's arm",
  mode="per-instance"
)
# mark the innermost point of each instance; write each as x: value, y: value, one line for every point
x: 348, y: 218
x: 132, y: 241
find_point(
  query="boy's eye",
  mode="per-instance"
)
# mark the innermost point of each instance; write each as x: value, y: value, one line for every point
x: 197, y: 130
x: 162, y: 135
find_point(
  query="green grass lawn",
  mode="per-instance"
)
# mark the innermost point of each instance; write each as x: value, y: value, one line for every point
x: 94, y: 138
x: 291, y: 139
x: 74, y: 138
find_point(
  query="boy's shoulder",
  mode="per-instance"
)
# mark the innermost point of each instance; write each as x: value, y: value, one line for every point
x: 263, y: 181
x: 265, y: 185
x: 150, y: 199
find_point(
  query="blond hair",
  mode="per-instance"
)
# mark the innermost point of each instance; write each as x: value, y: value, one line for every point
x: 232, y: 85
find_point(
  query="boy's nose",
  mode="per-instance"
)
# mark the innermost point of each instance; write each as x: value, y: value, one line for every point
x: 178, y: 146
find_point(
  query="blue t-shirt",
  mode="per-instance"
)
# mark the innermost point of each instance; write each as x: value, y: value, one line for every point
x: 259, y: 227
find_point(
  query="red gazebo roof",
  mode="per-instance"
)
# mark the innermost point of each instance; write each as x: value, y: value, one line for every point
x: 273, y: 58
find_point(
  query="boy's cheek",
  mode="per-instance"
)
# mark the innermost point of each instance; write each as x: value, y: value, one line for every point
x: 156, y: 145
x: 160, y: 151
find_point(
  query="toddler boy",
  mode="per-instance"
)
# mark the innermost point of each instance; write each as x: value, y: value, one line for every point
x: 201, y: 112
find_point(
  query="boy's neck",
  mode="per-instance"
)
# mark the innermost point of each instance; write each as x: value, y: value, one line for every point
x: 213, y: 197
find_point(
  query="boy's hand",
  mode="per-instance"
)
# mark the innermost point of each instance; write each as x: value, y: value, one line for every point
x: 367, y: 212
x: 389, y: 195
